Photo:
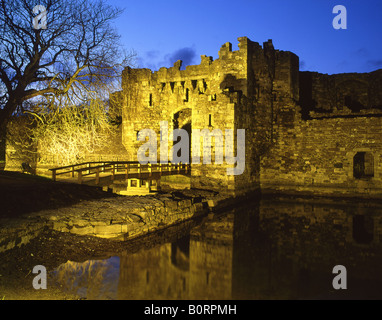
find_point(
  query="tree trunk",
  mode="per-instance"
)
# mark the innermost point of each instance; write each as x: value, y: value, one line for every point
x: 3, y: 136
x: 6, y: 114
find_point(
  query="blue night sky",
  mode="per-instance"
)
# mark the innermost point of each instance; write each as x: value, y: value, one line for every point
x: 162, y: 32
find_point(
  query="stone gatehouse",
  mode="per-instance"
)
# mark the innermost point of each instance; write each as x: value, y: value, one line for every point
x: 304, y: 131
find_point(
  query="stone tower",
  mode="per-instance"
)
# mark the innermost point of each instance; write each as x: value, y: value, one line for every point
x: 245, y: 89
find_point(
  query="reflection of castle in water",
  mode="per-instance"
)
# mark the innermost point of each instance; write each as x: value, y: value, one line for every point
x: 275, y: 250
x: 195, y: 265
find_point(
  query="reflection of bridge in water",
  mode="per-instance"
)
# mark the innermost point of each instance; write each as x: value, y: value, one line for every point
x: 138, y: 176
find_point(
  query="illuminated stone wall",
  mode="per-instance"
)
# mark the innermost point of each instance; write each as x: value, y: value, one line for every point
x: 340, y: 118
x: 242, y: 89
x: 318, y: 156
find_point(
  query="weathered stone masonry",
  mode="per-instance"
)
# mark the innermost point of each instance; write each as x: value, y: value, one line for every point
x: 334, y: 144
x: 318, y: 155
x: 243, y: 89
x: 305, y: 131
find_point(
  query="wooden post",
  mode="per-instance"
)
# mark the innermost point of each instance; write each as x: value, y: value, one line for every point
x: 127, y: 170
x: 113, y: 171
x: 139, y: 170
x: 54, y: 174
x: 72, y: 171
x: 80, y: 176
x: 150, y: 170
x: 97, y: 175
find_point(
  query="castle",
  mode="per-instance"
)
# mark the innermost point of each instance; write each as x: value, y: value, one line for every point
x: 304, y: 131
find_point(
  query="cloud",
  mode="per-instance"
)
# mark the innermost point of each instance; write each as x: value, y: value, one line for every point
x: 152, y: 54
x: 187, y: 55
x: 154, y: 60
x: 375, y: 63
x: 149, y: 60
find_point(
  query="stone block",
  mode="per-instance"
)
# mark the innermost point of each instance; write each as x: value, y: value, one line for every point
x: 108, y: 230
x: 89, y: 230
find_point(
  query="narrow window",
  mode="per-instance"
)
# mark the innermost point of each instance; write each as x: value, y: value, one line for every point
x: 151, y: 100
x: 210, y: 120
x: 186, y: 95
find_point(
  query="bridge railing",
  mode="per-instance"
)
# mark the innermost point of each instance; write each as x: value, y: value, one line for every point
x: 72, y: 169
x: 116, y: 167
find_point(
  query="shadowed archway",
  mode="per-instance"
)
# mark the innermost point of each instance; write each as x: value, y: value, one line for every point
x: 182, y: 120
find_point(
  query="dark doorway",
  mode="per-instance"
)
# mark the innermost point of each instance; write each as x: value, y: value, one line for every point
x: 363, y: 165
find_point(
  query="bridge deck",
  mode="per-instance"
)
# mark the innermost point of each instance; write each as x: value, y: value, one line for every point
x: 104, y: 173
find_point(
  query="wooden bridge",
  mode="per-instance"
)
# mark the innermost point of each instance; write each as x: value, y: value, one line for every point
x: 105, y: 173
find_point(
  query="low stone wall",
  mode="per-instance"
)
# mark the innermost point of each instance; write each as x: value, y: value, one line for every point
x: 120, y: 218
x: 124, y: 219
x: 18, y: 232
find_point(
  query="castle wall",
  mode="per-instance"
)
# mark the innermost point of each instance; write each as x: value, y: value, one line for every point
x: 272, y: 95
x: 318, y: 156
x: 355, y: 91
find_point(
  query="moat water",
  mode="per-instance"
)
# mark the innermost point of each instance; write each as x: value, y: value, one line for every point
x: 271, y: 249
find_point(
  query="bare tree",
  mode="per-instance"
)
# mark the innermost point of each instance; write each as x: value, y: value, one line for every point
x: 78, y: 48
x: 70, y: 132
